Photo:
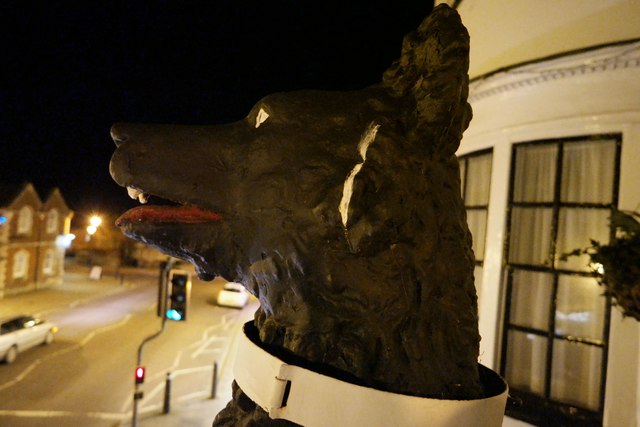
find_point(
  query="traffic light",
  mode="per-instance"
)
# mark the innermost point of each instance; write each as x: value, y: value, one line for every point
x: 139, y: 374
x: 178, y: 290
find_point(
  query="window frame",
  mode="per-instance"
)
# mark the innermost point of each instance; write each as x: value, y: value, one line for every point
x: 531, y: 407
x: 25, y: 220
x: 49, y: 262
x: 24, y: 257
x: 482, y: 207
x: 52, y: 221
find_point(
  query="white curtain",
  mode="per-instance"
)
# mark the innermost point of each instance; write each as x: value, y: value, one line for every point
x: 478, y: 180
x: 587, y: 176
x: 477, y: 220
x: 576, y: 226
x: 530, y: 237
x: 476, y: 188
x: 576, y: 371
x: 587, y: 171
x: 535, y: 173
x: 527, y: 361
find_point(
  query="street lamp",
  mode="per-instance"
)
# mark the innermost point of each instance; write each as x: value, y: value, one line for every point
x: 94, y: 223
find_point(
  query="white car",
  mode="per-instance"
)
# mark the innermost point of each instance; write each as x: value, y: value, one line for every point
x: 233, y: 295
x: 20, y: 333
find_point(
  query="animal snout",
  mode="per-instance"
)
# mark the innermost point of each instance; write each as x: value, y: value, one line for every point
x: 119, y: 134
x: 130, y: 132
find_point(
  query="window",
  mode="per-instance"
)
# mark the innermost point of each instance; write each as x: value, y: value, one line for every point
x: 475, y: 179
x: 25, y: 220
x: 52, y: 221
x: 20, y: 264
x: 48, y: 263
x: 554, y: 344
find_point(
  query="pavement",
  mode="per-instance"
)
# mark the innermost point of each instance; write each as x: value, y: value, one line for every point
x: 77, y: 288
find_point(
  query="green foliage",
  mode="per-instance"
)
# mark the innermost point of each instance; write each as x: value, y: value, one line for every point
x: 620, y: 262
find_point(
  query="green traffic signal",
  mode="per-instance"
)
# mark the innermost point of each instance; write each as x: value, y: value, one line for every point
x: 178, y: 292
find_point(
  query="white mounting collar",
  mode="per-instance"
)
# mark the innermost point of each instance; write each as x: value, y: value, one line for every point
x: 314, y: 400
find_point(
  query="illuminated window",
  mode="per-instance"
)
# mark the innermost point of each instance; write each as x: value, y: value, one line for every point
x: 25, y: 220
x: 475, y: 179
x: 48, y: 263
x: 20, y: 264
x: 556, y: 327
x: 52, y: 221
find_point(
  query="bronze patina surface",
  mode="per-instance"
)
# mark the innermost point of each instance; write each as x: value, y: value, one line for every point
x: 340, y: 211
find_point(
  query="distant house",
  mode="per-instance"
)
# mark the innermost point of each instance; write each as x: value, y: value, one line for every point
x: 31, y: 238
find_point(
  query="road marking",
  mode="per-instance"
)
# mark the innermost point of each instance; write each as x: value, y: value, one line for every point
x: 83, y: 301
x: 106, y: 328
x: 228, y: 321
x: 81, y: 344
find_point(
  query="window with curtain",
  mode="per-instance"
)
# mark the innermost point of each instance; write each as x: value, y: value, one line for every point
x: 48, y: 263
x: 556, y: 319
x: 475, y: 180
x: 52, y: 221
x: 20, y: 264
x: 25, y: 220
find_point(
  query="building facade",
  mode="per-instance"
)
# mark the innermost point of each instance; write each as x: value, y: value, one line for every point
x: 32, y: 238
x: 552, y: 150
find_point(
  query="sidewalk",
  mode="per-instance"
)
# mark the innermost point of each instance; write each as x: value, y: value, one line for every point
x: 199, y: 412
x: 78, y: 288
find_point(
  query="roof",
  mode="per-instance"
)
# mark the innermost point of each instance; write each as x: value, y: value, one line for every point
x: 55, y: 194
x: 9, y: 192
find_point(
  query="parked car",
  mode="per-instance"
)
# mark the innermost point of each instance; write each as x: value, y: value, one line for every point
x: 20, y: 333
x: 233, y: 295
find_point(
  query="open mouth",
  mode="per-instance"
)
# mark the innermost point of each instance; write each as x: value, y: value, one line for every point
x: 181, y: 230
x: 164, y: 214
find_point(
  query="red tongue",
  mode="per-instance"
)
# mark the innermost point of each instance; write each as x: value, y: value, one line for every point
x: 188, y: 214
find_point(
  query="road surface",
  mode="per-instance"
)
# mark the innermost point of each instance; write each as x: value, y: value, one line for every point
x: 85, y: 377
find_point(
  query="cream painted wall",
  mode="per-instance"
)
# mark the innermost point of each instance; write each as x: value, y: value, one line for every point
x: 575, y: 98
x: 508, y: 32
x: 622, y: 405
x: 595, y: 91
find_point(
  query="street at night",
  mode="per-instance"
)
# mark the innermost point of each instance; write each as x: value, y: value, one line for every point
x: 320, y: 214
x: 86, y: 376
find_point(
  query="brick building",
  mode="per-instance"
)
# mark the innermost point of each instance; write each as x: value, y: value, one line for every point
x: 32, y: 238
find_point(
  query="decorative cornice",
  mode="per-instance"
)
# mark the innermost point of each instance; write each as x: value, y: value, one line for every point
x: 595, y: 61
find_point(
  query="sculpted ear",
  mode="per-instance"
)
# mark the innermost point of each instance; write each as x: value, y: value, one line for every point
x: 433, y: 71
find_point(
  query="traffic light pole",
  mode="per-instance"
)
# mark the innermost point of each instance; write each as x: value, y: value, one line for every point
x: 137, y: 393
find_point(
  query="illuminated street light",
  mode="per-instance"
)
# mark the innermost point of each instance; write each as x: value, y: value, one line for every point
x: 95, y: 221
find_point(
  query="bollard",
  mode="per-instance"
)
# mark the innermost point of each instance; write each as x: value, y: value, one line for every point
x: 167, y: 394
x: 214, y: 383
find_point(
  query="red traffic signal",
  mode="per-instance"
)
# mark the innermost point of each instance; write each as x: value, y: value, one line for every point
x: 139, y: 374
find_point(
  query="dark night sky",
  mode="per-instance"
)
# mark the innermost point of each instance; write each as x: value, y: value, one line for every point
x: 73, y: 68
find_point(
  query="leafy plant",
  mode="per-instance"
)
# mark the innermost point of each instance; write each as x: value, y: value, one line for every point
x: 620, y: 262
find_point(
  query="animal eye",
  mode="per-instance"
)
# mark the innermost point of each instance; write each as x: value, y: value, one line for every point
x: 261, y: 117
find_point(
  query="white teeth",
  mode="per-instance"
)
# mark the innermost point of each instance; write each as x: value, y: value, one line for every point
x: 133, y: 193
x: 137, y: 194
